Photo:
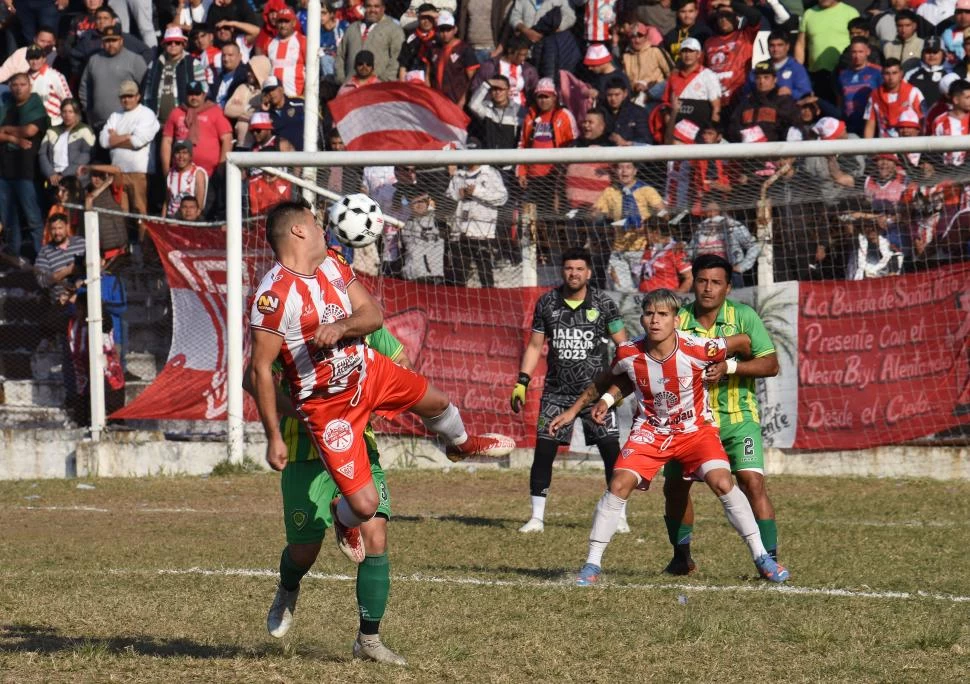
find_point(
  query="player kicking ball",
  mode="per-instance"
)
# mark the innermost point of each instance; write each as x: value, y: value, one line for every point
x: 666, y: 370
x: 312, y: 312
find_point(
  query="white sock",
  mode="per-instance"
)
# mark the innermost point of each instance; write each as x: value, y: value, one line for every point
x: 449, y: 425
x: 605, y: 519
x: 346, y: 515
x: 623, y: 512
x: 740, y: 515
x: 539, y: 507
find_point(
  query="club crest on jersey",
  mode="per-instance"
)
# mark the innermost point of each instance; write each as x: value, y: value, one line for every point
x: 592, y: 315
x: 664, y: 401
x: 347, y: 470
x: 626, y: 453
x: 728, y: 329
x: 712, y: 349
x: 642, y: 437
x: 332, y: 312
x: 338, y: 436
x: 267, y: 303
x: 339, y: 284
x: 299, y: 519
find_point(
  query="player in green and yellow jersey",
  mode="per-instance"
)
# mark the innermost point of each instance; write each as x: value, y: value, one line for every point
x: 735, y: 404
x: 307, y: 492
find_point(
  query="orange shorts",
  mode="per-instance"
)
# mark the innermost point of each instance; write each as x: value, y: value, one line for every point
x: 337, y: 423
x: 645, y: 452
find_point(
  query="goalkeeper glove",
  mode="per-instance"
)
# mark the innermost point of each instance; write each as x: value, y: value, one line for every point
x: 518, y: 392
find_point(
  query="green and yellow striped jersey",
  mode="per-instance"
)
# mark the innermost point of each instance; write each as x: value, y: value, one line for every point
x: 734, y: 399
x: 298, y: 441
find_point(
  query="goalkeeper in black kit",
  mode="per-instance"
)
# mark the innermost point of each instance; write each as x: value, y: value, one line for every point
x: 578, y: 320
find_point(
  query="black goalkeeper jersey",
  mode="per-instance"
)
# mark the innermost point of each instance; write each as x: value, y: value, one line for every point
x: 578, y: 339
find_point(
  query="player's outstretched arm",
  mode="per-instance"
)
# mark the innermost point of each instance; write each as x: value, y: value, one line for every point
x: 366, y: 317
x: 600, y: 384
x: 530, y: 359
x: 266, y: 347
x: 621, y: 387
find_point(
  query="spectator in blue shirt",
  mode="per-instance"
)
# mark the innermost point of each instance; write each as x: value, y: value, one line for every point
x: 792, y: 76
x: 854, y: 85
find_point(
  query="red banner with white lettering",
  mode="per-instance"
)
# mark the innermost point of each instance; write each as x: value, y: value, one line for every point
x: 883, y: 361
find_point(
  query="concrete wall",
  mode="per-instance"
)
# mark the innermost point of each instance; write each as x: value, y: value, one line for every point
x: 41, y: 454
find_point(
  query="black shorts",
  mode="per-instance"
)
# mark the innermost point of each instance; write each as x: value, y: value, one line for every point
x: 593, y: 432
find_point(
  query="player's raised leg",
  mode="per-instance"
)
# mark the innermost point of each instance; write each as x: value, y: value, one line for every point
x: 443, y: 418
x: 739, y: 514
x: 678, y: 519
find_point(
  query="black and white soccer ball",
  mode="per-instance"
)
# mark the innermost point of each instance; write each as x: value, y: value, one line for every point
x: 356, y: 220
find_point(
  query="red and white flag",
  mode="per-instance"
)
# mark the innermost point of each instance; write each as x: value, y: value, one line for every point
x: 398, y: 116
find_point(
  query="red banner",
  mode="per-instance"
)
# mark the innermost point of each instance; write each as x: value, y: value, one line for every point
x: 883, y: 361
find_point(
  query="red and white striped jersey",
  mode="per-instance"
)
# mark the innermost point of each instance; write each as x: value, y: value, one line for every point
x: 211, y: 60
x: 599, y: 20
x: 293, y: 305
x: 951, y: 124
x: 288, y: 58
x: 182, y: 184
x: 671, y: 396
x: 51, y: 87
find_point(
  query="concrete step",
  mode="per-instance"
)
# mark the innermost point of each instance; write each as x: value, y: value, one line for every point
x: 21, y: 417
x: 33, y: 393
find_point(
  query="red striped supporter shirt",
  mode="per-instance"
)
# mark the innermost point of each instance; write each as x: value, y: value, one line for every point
x: 289, y: 63
x: 293, y: 305
x: 671, y: 396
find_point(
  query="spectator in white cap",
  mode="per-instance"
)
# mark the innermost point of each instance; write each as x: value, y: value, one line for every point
x: 411, y: 17
x: 128, y: 135
x: 693, y: 94
x: 168, y: 77
x: 453, y: 63
x: 378, y: 33
x: 185, y: 179
x: 547, y: 25
x: 599, y: 68
x: 265, y: 138
x: 287, y: 113
x: 837, y: 176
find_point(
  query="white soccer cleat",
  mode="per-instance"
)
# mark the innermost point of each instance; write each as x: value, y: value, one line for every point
x: 280, y: 616
x: 623, y: 527
x: 370, y: 647
x: 489, y: 445
x: 533, y: 525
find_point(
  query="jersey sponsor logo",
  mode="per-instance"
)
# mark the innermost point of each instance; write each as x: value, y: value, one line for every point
x: 663, y: 381
x: 339, y: 284
x: 333, y: 312
x: 338, y: 436
x: 711, y: 348
x: 347, y: 470
x: 267, y: 303
x: 642, y: 437
x: 664, y: 401
x: 342, y: 367
x: 572, y: 343
x: 592, y: 315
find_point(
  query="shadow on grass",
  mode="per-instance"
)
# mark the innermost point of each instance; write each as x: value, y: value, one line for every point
x: 479, y: 521
x: 21, y: 637
x: 496, y: 571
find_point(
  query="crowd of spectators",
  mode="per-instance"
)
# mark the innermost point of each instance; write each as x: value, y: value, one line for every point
x: 134, y: 105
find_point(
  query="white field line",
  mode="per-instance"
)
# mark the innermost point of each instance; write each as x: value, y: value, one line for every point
x: 445, y: 516
x: 761, y: 587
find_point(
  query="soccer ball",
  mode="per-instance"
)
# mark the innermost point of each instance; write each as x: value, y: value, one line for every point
x: 356, y: 220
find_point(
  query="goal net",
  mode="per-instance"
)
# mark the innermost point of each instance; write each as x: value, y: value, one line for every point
x: 854, y: 253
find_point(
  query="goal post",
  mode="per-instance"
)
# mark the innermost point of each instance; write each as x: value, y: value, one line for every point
x: 454, y: 297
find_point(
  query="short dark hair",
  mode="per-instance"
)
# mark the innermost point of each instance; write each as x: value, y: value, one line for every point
x: 617, y: 83
x: 959, y: 86
x: 859, y: 23
x: 706, y: 261
x: 683, y: 3
x: 859, y: 40
x: 577, y: 254
x: 597, y: 111
x: 779, y: 35
x: 890, y: 63
x: 281, y: 215
x: 907, y: 15
x: 500, y: 77
x: 516, y: 43
x: 188, y: 198
x: 44, y: 28
x: 54, y: 218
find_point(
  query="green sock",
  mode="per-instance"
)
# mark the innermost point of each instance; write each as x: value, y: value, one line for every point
x: 290, y: 572
x: 769, y: 536
x: 677, y: 532
x: 373, y: 586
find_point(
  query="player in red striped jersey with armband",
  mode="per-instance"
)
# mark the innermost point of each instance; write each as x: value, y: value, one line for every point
x: 311, y: 311
x: 666, y: 370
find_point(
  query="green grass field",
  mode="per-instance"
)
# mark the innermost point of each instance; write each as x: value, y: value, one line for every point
x: 168, y: 579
